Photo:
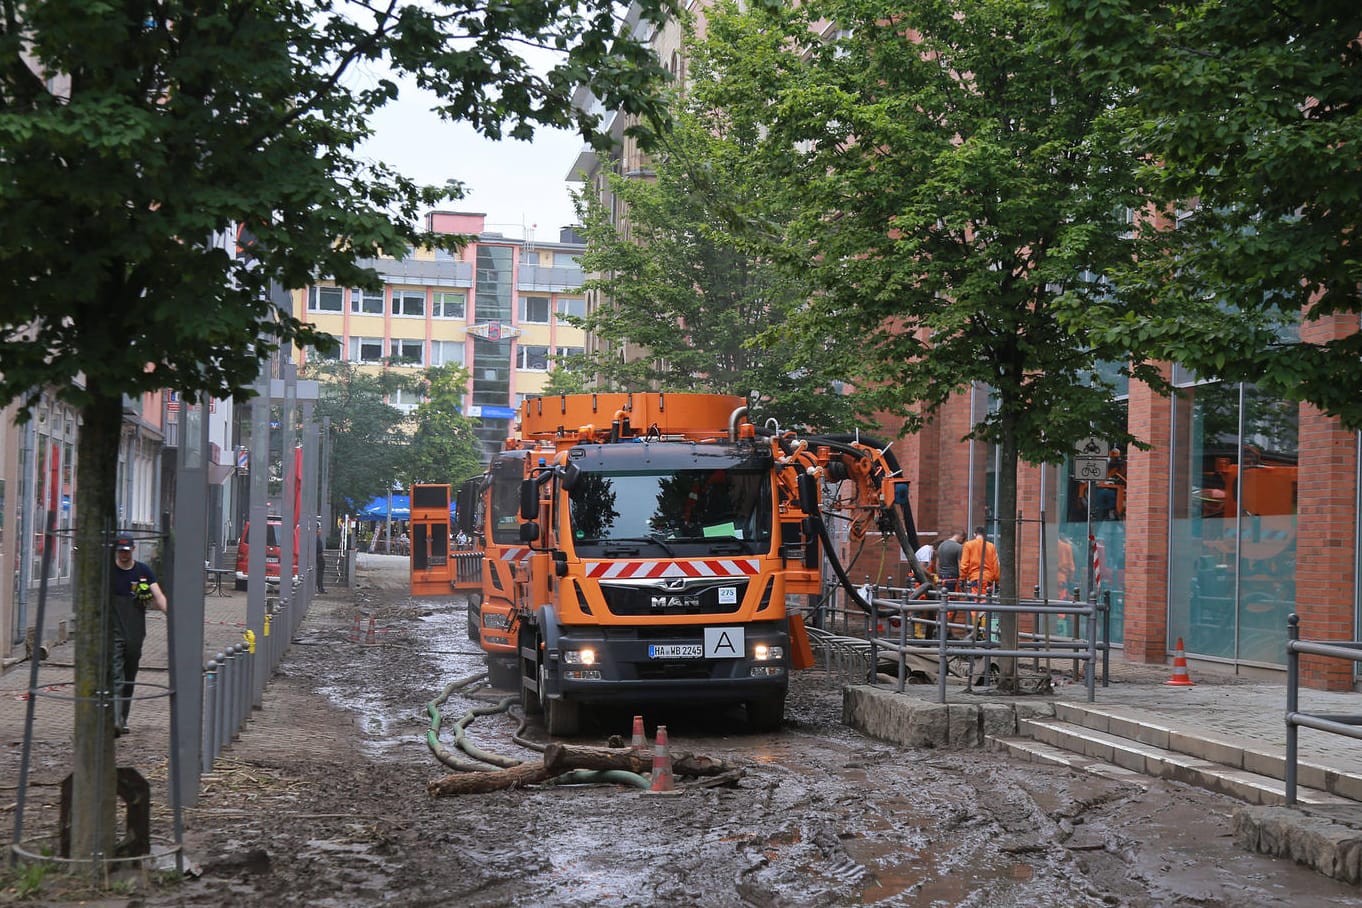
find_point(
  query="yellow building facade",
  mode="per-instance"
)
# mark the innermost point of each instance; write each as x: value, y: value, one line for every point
x: 497, y: 307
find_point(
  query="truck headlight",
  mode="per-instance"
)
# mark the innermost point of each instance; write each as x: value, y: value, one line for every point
x: 765, y: 652
x: 498, y: 621
x: 585, y: 656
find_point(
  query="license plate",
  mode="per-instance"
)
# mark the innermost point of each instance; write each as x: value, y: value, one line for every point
x: 675, y: 651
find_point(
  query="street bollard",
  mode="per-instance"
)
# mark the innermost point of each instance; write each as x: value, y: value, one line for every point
x: 239, y: 693
x: 220, y: 708
x: 210, y: 697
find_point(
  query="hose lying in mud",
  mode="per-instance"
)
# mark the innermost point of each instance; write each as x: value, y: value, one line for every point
x: 456, y: 762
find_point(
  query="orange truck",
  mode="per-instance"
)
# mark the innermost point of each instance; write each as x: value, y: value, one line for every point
x: 645, y: 547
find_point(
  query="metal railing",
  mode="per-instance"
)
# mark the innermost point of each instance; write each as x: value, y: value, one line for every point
x: 1337, y: 724
x: 954, y: 643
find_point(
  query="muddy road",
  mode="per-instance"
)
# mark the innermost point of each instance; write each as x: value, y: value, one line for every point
x: 323, y: 802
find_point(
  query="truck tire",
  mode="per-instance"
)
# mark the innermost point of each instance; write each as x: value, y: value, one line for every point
x: 767, y: 713
x: 562, y: 718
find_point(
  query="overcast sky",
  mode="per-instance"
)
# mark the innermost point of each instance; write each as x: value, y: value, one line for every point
x: 520, y: 186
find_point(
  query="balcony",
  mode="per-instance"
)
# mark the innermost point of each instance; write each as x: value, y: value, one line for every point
x: 549, y: 280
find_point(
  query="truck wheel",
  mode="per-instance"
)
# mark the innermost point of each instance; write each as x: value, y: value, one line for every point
x: 562, y: 718
x: 766, y: 714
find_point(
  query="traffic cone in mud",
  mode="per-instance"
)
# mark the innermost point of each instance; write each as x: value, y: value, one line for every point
x: 1180, y: 677
x: 354, y: 630
x: 640, y: 741
x: 369, y: 637
x: 662, y: 763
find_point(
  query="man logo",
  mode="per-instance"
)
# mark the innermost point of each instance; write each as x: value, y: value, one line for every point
x: 669, y: 602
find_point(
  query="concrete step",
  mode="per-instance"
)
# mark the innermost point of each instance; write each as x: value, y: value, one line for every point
x: 1256, y: 757
x: 1109, y: 754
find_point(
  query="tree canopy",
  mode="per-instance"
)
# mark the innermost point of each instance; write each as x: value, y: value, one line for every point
x: 680, y: 277
x: 367, y: 435
x: 443, y: 447
x: 1247, y: 113
x: 948, y: 177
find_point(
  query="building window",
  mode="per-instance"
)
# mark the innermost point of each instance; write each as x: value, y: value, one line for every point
x: 366, y: 302
x: 409, y: 302
x: 446, y: 353
x: 561, y: 353
x: 536, y: 358
x: 449, y: 305
x: 406, y: 399
x: 408, y: 352
x: 366, y: 349
x: 325, y: 299
x: 571, y: 305
x: 534, y: 309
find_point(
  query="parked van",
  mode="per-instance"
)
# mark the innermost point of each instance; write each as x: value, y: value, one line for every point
x: 273, y: 528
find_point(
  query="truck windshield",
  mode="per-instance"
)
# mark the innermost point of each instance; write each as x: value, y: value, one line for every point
x: 686, y: 512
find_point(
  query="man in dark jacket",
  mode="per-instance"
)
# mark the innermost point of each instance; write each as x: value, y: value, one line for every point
x: 134, y: 590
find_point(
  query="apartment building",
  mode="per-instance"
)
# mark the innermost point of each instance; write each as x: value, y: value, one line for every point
x: 496, y: 307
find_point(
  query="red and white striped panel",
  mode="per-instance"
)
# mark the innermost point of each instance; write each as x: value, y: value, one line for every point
x: 653, y: 570
x: 515, y: 553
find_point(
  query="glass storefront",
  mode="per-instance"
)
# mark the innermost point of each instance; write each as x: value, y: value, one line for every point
x: 1089, y: 559
x: 1232, y: 526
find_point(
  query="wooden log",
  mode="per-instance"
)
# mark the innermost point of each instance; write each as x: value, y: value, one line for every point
x: 562, y: 757
x: 483, y: 782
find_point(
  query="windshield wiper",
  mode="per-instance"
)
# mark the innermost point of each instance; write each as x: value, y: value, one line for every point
x: 620, y: 544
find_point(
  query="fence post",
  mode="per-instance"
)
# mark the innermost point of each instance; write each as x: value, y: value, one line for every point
x: 1293, y: 635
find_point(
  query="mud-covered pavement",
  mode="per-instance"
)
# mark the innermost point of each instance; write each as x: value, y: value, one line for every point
x: 323, y: 802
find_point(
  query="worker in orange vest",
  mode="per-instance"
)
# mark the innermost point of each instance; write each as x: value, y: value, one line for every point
x: 979, y: 562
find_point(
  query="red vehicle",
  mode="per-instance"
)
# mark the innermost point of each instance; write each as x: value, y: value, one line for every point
x: 273, y: 527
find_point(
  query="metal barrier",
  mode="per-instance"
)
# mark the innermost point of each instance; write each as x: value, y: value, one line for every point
x: 932, y: 615
x: 1346, y: 725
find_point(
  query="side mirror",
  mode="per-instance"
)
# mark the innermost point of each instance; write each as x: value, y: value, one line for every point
x: 529, y: 500
x: 529, y: 532
x: 570, y: 474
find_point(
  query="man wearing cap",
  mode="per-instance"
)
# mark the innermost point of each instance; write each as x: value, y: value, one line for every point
x: 134, y: 589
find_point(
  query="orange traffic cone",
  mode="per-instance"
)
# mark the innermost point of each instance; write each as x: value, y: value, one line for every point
x: 640, y: 741
x: 369, y: 638
x: 354, y: 631
x: 1180, y: 677
x: 662, y: 763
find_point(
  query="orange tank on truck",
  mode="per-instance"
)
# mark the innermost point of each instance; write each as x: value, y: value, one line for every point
x: 656, y: 547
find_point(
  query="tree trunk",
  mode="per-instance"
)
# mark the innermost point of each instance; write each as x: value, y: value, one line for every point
x: 94, y: 767
x: 562, y: 757
x: 1007, y: 545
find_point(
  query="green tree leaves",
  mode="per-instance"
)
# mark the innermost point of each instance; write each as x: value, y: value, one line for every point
x: 1247, y: 114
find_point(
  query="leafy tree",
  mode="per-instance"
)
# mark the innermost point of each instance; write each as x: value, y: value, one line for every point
x: 682, y: 282
x: 368, y: 436
x: 443, y: 448
x: 949, y: 177
x: 563, y: 380
x: 134, y: 137
x: 1248, y: 114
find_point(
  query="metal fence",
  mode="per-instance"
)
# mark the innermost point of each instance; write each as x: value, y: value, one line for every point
x: 958, y: 635
x: 1336, y: 724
